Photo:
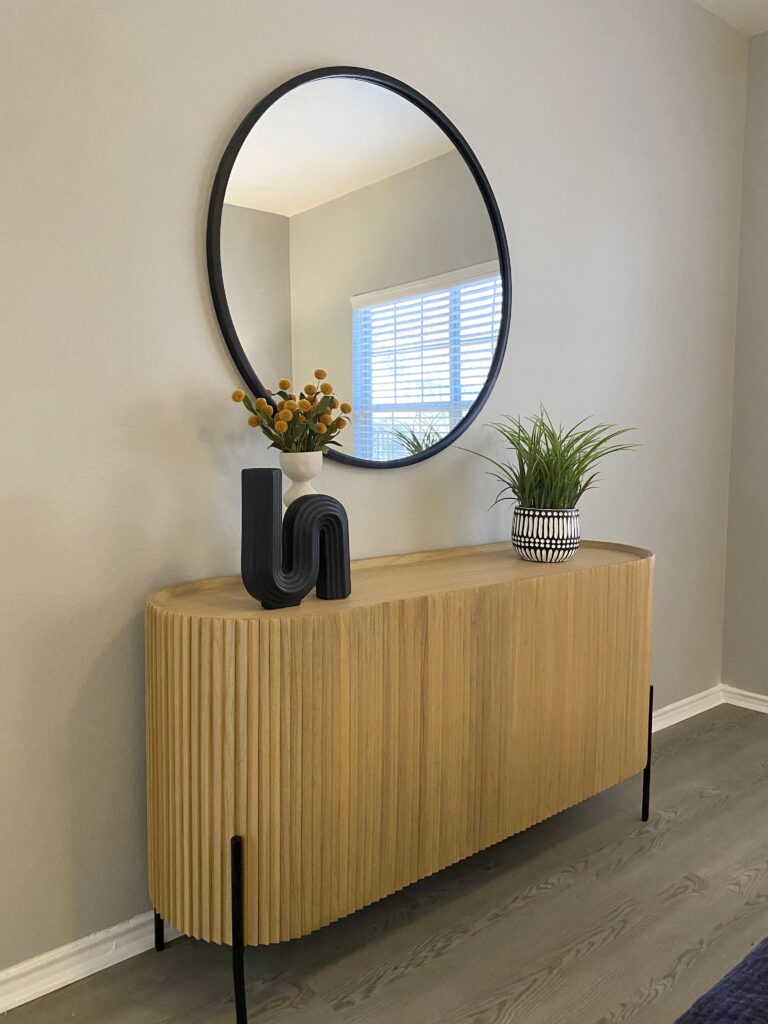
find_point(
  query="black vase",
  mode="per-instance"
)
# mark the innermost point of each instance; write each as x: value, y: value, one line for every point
x: 283, y: 559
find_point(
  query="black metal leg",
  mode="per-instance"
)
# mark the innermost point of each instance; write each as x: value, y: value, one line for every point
x: 238, y: 941
x: 159, y: 934
x: 647, y: 769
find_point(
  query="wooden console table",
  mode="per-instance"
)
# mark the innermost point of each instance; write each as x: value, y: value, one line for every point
x: 352, y: 747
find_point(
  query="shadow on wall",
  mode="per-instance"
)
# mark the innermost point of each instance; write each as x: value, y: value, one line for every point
x: 80, y: 759
x: 198, y: 512
x: 105, y: 781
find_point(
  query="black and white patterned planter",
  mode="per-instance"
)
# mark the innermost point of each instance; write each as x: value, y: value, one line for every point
x: 545, y: 534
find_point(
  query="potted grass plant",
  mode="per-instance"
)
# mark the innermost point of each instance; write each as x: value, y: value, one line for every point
x: 550, y: 470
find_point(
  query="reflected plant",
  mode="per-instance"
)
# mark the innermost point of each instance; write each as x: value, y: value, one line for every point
x: 410, y: 440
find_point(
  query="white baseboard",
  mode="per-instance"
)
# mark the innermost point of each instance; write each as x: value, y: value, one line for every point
x: 687, y: 707
x: 60, y: 967
x: 706, y: 699
x: 745, y: 699
x: 43, y: 974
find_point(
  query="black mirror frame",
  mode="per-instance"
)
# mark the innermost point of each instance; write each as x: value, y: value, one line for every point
x: 213, y: 246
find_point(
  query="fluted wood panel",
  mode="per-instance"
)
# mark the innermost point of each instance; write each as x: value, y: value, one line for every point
x: 454, y: 699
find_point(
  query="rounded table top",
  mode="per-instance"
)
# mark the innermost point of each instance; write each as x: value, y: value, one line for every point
x: 391, y: 578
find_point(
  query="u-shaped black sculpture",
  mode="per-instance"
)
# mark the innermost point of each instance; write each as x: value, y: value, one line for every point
x: 282, y: 559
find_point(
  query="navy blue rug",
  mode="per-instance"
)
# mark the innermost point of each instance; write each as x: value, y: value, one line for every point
x: 740, y: 998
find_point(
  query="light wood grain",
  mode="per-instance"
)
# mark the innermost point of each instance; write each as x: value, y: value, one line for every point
x: 454, y: 699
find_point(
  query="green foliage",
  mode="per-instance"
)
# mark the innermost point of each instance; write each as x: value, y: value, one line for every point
x: 552, y: 466
x: 410, y: 440
x: 307, y: 421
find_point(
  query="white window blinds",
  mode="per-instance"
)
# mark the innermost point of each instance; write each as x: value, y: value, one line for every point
x: 421, y: 355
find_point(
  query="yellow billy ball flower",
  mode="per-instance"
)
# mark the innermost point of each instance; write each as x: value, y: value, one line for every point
x: 238, y: 395
x: 287, y: 415
x: 302, y: 419
x: 346, y: 407
x: 280, y: 406
x: 304, y: 405
x: 321, y: 428
x: 335, y: 403
x: 281, y: 426
x: 310, y: 389
x: 327, y: 389
x: 253, y: 421
x: 290, y: 404
x: 327, y: 419
x: 341, y: 423
x: 261, y: 403
x: 283, y: 383
x: 321, y: 374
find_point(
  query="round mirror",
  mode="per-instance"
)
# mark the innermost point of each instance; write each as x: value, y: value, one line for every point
x: 351, y: 228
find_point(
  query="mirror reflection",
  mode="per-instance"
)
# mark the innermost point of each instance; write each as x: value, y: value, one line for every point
x: 354, y: 237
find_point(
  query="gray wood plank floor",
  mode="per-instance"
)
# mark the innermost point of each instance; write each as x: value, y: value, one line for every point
x: 589, y: 918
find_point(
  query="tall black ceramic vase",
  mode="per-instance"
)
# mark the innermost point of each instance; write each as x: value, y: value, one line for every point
x: 283, y: 559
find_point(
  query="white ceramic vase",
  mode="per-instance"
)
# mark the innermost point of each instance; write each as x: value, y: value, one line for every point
x: 300, y: 468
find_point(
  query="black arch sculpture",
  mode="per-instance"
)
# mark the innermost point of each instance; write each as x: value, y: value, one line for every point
x: 283, y: 559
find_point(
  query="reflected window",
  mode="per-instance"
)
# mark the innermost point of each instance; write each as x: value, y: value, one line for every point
x: 421, y: 354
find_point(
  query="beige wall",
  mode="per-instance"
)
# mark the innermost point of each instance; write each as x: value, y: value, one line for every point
x: 745, y: 653
x: 612, y: 133
x: 424, y: 221
x: 256, y: 268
